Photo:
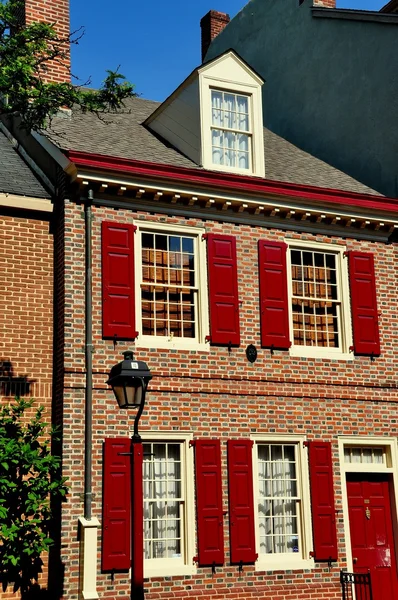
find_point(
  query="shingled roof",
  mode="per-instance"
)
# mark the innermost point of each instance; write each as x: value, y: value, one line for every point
x: 15, y: 175
x: 124, y: 135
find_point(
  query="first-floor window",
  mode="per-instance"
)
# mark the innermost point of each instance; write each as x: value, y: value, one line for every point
x: 278, y: 501
x: 282, y: 503
x: 167, y: 506
x: 163, y: 501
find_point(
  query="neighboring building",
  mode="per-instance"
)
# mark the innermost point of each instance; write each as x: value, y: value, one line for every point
x: 27, y: 209
x: 210, y: 235
x: 26, y: 282
x: 331, y: 83
x: 26, y: 271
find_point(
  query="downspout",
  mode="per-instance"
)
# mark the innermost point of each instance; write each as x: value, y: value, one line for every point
x: 89, y: 525
x: 89, y: 364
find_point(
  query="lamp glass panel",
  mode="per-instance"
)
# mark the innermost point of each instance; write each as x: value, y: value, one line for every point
x: 128, y: 395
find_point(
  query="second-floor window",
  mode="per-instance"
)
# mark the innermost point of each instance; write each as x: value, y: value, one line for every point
x: 169, y: 287
x: 231, y: 137
x: 316, y: 298
x: 319, y: 300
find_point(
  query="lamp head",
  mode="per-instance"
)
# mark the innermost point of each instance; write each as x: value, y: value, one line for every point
x: 129, y: 380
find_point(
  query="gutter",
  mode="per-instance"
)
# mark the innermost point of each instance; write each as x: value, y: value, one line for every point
x: 355, y: 15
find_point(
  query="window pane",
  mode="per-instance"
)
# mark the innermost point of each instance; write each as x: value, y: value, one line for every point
x: 216, y: 101
x: 217, y: 143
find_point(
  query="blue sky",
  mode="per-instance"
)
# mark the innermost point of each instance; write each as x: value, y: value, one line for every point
x: 155, y: 42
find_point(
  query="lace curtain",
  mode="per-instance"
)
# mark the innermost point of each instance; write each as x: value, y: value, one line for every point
x: 162, y: 501
x: 278, y: 496
x: 230, y: 111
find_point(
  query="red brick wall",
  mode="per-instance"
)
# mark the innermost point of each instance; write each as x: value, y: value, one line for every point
x: 54, y: 12
x: 26, y: 313
x: 221, y: 395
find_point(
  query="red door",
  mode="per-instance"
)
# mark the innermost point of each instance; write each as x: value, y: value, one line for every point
x: 371, y: 531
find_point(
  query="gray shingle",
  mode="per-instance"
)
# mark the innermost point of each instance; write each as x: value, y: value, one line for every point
x: 15, y: 175
x: 123, y: 135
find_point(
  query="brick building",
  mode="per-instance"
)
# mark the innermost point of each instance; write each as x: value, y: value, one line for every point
x: 259, y: 285
x: 201, y: 251
x: 26, y: 281
x: 26, y: 271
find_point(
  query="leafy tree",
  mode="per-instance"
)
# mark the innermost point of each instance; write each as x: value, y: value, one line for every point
x: 26, y: 52
x: 30, y: 481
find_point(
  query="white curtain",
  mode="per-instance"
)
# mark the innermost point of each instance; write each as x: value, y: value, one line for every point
x: 277, y: 503
x: 243, y: 113
x: 162, y: 495
x: 217, y: 141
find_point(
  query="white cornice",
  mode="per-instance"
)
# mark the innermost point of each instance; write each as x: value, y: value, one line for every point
x: 272, y: 210
x: 26, y: 203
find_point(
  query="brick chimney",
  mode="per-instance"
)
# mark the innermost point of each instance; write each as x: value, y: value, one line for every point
x: 325, y: 3
x: 54, y: 12
x: 211, y: 25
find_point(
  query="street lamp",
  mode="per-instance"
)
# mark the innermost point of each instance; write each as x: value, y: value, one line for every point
x: 129, y: 380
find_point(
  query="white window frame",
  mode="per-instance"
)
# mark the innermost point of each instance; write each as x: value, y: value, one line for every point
x: 202, y: 318
x: 343, y: 351
x: 288, y: 560
x: 164, y: 567
x: 253, y: 92
x: 390, y: 446
x: 248, y: 133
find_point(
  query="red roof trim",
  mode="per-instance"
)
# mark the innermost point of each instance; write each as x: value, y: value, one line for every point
x: 240, y: 183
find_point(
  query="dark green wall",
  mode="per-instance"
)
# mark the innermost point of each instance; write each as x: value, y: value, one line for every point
x: 331, y: 84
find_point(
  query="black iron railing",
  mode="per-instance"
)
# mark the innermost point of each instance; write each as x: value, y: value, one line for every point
x: 356, y: 586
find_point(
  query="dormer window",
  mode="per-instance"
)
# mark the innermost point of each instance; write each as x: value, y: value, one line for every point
x: 231, y: 138
x: 215, y: 117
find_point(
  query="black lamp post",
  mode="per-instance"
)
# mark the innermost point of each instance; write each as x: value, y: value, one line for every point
x: 129, y: 380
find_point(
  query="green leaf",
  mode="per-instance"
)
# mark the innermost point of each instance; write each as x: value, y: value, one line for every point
x: 31, y: 475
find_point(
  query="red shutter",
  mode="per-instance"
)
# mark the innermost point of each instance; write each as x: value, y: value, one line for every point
x: 209, y: 502
x: 118, y: 306
x: 322, y: 501
x: 241, y: 503
x: 364, y: 303
x: 273, y: 294
x: 116, y: 526
x: 223, y: 290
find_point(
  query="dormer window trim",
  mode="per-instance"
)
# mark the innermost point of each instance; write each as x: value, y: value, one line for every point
x: 208, y: 85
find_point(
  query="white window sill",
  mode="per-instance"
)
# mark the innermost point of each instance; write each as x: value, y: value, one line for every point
x: 168, y: 570
x: 283, y: 562
x: 171, y: 343
x: 231, y: 170
x: 323, y: 353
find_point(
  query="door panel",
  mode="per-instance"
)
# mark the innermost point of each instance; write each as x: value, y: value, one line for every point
x: 372, y: 541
